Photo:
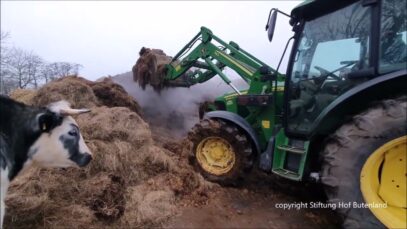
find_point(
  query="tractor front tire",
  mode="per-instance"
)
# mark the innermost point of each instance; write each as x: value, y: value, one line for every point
x: 221, y: 152
x: 350, y: 148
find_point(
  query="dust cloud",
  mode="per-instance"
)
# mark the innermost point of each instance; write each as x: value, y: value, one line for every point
x: 174, y: 109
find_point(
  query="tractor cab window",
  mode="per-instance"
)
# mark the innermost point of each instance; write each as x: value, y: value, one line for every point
x: 330, y: 47
x: 393, y: 36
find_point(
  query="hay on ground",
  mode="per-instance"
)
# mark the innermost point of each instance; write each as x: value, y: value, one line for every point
x: 146, y: 207
x: 111, y: 94
x: 82, y: 93
x: 75, y: 91
x: 23, y: 95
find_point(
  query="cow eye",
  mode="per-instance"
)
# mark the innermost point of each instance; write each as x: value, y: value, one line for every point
x: 73, y: 133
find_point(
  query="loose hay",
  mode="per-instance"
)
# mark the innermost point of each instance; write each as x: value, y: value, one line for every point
x: 147, y: 207
x: 150, y: 69
x: 104, y: 123
x: 75, y: 91
x: 131, y: 182
x: 84, y: 93
x: 113, y: 95
x: 72, y: 216
x: 107, y: 199
x: 23, y: 95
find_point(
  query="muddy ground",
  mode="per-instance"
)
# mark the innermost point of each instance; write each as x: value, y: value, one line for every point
x: 255, y: 204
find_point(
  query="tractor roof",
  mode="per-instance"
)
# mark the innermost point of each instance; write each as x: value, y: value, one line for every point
x: 310, y: 9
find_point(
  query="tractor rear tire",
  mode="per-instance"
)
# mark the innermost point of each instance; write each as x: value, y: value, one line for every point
x: 234, y: 159
x: 348, y: 149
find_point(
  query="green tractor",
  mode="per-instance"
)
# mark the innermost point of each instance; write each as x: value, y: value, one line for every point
x: 337, y: 116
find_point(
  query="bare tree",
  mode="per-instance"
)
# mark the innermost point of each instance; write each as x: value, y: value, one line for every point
x: 56, y: 70
x: 4, y: 36
x: 3, y: 57
x: 16, y: 67
x: 34, y: 65
x: 46, y: 72
x: 3, y: 47
x: 22, y: 67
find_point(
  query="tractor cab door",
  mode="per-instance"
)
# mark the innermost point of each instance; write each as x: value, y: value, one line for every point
x: 328, y: 52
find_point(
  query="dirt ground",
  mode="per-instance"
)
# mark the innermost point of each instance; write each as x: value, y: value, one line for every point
x: 251, y: 205
x: 237, y: 208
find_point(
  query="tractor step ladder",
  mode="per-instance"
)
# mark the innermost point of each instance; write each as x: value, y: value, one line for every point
x: 291, y: 149
x: 289, y: 158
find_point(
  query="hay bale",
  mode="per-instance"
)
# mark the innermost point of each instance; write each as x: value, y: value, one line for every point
x: 72, y: 89
x: 23, y: 95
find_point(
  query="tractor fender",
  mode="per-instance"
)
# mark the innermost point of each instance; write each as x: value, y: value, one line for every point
x: 358, y: 98
x: 239, y: 121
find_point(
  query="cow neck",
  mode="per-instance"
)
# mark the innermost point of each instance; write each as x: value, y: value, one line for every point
x: 19, y: 125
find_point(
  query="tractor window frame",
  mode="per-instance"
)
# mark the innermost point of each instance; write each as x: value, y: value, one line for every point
x: 382, y: 68
x: 373, y: 59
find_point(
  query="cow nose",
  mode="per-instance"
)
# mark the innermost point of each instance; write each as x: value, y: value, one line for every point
x: 85, y: 159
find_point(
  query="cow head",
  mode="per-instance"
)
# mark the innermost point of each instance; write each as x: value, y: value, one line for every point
x: 60, y: 143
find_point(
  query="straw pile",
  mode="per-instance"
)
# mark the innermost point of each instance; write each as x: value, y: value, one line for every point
x: 113, y: 95
x: 84, y: 93
x: 130, y: 183
x: 23, y: 95
x: 73, y: 89
x: 150, y: 69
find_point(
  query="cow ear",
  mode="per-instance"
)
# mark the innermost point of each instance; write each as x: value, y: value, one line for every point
x: 48, y: 120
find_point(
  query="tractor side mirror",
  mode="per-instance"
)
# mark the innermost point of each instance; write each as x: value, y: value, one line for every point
x: 271, y: 23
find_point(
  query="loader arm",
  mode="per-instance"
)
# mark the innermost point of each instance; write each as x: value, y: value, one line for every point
x: 203, y: 61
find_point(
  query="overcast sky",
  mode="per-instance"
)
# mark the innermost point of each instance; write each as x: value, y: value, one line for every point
x: 106, y: 36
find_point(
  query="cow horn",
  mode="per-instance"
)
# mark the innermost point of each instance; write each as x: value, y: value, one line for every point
x: 70, y: 111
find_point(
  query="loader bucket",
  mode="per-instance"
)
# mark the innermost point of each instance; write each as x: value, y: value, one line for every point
x: 150, y: 68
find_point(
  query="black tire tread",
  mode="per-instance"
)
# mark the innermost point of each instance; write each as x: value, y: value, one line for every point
x: 237, y: 138
x: 339, y: 162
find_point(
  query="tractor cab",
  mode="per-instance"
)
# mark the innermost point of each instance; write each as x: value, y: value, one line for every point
x: 338, y: 46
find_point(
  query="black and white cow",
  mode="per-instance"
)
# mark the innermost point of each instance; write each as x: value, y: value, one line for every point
x: 48, y: 137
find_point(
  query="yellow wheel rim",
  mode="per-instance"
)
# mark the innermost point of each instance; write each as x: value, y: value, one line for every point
x: 383, y: 183
x: 215, y: 155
